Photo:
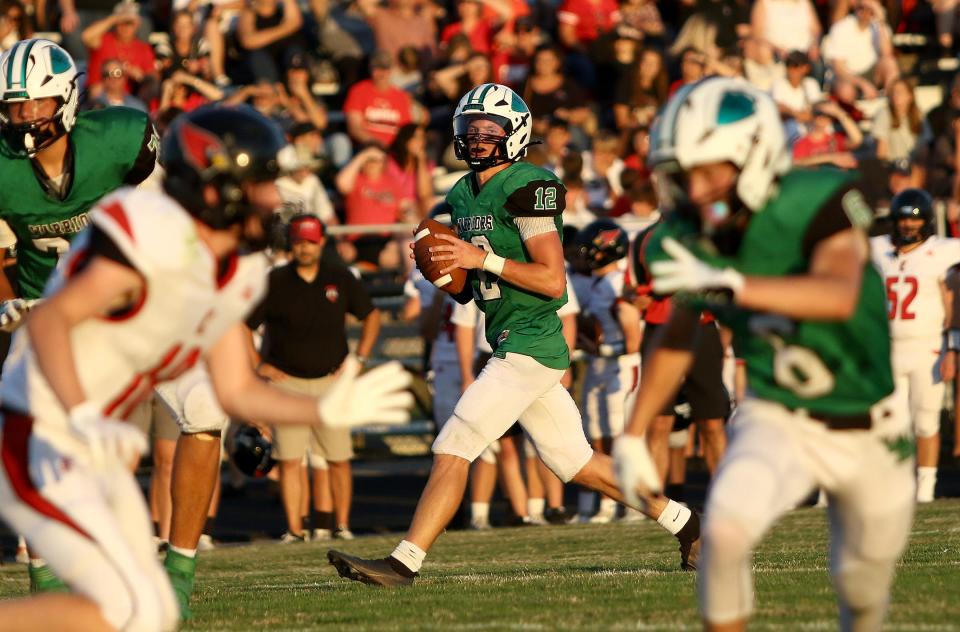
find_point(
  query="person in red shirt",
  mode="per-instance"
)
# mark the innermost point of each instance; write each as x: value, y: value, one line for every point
x: 115, y: 37
x: 477, y: 26
x: 582, y: 21
x: 371, y: 196
x: 375, y: 108
x: 823, y: 144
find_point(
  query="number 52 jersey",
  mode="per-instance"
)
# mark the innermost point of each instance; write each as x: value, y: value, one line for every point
x: 913, y: 280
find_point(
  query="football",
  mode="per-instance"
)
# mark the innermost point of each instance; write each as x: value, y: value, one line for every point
x: 426, y: 237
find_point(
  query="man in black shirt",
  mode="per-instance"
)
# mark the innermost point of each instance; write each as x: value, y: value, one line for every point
x: 304, y: 344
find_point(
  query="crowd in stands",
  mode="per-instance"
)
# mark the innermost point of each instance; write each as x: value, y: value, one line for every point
x: 366, y: 88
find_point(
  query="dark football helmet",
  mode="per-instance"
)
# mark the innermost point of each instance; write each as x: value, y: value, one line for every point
x: 911, y: 204
x: 602, y: 242
x: 252, y: 452
x: 223, y: 147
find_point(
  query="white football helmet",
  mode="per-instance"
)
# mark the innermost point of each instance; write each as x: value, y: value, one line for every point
x: 721, y: 120
x: 503, y: 106
x: 37, y: 69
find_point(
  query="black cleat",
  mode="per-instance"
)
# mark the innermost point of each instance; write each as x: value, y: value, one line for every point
x: 383, y: 572
x: 556, y: 515
x: 689, y: 537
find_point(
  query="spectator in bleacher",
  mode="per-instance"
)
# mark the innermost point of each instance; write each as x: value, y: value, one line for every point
x: 371, y: 196
x: 579, y: 24
x: 331, y: 40
x: 301, y: 190
x: 936, y: 152
x: 515, y: 50
x: 638, y: 147
x: 823, y: 144
x: 114, y: 89
x: 14, y: 24
x: 269, y: 33
x: 859, y: 48
x: 375, y: 108
x: 643, y: 16
x: 303, y: 106
x: 760, y: 66
x: 75, y: 17
x: 186, y: 92
x: 403, y: 23
x: 897, y: 125
x: 693, y: 65
x: 556, y: 143
x: 641, y: 94
x: 843, y: 92
x: 576, y: 212
x: 549, y: 91
x: 601, y: 171
x: 115, y: 37
x: 946, y: 12
x: 478, y: 28
x: 796, y: 94
x: 409, y: 167
x: 305, y: 342
x: 787, y: 25
x: 186, y: 51
x: 457, y: 79
x: 408, y: 74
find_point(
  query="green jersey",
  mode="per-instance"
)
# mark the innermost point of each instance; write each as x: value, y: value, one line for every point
x: 108, y: 149
x: 517, y: 320
x: 827, y: 368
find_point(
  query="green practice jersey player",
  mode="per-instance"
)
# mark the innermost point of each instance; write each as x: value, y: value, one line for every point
x: 56, y: 163
x: 781, y: 257
x: 507, y: 214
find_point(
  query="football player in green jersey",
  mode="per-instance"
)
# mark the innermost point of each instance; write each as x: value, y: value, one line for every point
x: 55, y: 163
x: 508, y: 218
x: 780, y: 256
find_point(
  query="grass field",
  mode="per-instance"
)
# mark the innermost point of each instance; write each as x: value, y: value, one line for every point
x: 610, y: 577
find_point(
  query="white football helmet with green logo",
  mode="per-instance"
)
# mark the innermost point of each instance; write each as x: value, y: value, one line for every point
x: 502, y: 105
x: 720, y: 120
x: 37, y: 69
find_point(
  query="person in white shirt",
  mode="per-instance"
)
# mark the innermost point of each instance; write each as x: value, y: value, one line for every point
x: 859, y: 48
x: 796, y: 94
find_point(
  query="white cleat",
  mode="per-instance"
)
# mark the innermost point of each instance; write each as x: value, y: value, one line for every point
x: 604, y: 517
x: 319, y: 535
x: 206, y: 543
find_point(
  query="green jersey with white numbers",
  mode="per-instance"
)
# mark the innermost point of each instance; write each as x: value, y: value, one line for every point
x: 827, y: 368
x: 108, y: 149
x: 517, y: 320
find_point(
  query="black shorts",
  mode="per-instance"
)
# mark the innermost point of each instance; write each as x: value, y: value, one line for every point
x: 703, y: 389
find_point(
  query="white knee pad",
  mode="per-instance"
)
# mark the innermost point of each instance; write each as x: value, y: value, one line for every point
x: 678, y: 439
x: 926, y: 423
x: 460, y: 438
x: 201, y: 410
x: 725, y: 583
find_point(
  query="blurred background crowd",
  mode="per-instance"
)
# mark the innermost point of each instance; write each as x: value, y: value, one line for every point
x: 365, y: 90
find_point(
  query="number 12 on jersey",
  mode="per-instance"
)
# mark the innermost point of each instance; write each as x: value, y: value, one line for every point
x: 489, y: 283
x: 899, y: 299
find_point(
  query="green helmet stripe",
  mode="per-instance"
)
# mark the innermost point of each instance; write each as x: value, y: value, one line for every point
x: 26, y: 60
x: 11, y: 55
x: 473, y: 98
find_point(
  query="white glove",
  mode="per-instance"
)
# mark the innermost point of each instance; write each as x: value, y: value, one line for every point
x: 379, y: 396
x: 108, y: 440
x: 634, y: 467
x: 684, y: 272
x: 13, y: 311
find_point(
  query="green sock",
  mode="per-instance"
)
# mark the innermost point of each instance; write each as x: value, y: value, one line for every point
x: 42, y: 580
x: 181, y: 570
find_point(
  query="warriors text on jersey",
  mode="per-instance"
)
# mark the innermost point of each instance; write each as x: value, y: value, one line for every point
x: 188, y: 302
x: 517, y: 320
x: 827, y: 368
x: 912, y: 279
x: 108, y: 149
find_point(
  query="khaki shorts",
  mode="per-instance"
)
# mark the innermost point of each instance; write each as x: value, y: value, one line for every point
x: 291, y: 442
x: 154, y: 420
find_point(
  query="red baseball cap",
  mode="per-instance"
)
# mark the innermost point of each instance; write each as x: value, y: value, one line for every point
x: 306, y: 229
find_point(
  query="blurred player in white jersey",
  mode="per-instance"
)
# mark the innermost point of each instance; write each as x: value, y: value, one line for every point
x: 153, y: 286
x: 613, y: 349
x: 914, y: 264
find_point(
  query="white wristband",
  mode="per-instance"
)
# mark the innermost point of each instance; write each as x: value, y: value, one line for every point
x: 493, y: 263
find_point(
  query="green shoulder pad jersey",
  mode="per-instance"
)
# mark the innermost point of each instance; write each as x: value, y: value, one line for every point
x: 109, y: 148
x: 828, y: 368
x: 517, y: 320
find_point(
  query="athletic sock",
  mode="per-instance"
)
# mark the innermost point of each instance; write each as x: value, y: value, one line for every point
x: 42, y: 579
x: 305, y: 523
x: 607, y: 506
x: 188, y: 553
x: 673, y: 517
x: 208, y: 525
x: 409, y: 555
x: 585, y: 502
x: 535, y: 508
x: 926, y: 482
x: 480, y: 512
x: 156, y: 529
